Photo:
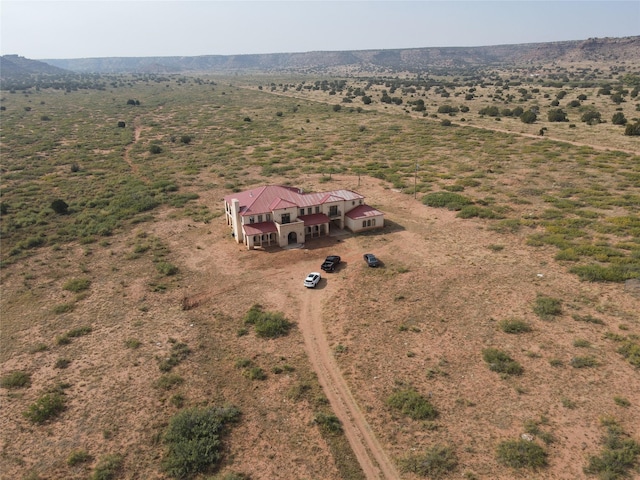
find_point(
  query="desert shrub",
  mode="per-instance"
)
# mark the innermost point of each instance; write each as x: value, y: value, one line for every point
x: 618, y: 456
x: 79, y: 332
x: 599, y: 273
x: 155, y: 149
x: 169, y: 381
x: 581, y: 343
x: 62, y: 363
x: 47, y: 407
x: 436, y: 462
x: 622, y: 401
x: 557, y: 115
x: 471, y: 211
x: 547, y: 307
x: 179, y: 352
x: 63, y: 308
x: 15, y: 379
x: 501, y: 362
x: 132, y: 343
x: 166, y: 268
x: 583, y: 362
x: 60, y: 207
x: 514, y: 325
x: 631, y: 351
x: 587, y: 319
x: 267, y: 324
x: 449, y: 200
x: 77, y: 457
x: 328, y: 422
x: 255, y: 373
x: 186, y: 139
x: 109, y: 467
x: 194, y: 440
x: 76, y: 285
x: 412, y: 404
x: 521, y: 454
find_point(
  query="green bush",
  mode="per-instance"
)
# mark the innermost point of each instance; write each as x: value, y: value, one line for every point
x: 79, y: 332
x: 47, y: 407
x: 63, y: 308
x: 631, y: 351
x: 77, y: 285
x: 329, y: 423
x: 618, y: 457
x: 514, y: 325
x: 500, y: 362
x: 547, y: 307
x: 255, y: 373
x: 194, y: 440
x: 267, y: 324
x: 436, y: 462
x: 77, y: 457
x: 412, y: 404
x: 166, y: 268
x: 449, y: 200
x: 599, y: 273
x: 169, y: 381
x: 583, y: 362
x: 521, y: 454
x: 109, y: 467
x: 179, y: 352
x: 15, y: 379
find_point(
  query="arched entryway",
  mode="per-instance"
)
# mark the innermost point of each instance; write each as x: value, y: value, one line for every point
x: 293, y: 238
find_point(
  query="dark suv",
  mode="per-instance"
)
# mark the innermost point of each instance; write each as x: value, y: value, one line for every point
x: 330, y: 263
x: 371, y: 259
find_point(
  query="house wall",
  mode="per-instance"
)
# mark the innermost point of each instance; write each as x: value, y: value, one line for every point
x: 355, y: 225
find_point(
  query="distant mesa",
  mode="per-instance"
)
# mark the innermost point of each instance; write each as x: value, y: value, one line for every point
x: 342, y: 62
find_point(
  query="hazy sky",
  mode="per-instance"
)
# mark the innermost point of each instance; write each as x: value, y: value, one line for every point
x: 124, y: 28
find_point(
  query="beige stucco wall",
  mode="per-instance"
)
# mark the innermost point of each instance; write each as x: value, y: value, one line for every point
x: 356, y: 225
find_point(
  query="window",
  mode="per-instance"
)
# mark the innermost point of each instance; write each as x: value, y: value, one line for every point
x: 373, y: 222
x: 268, y: 217
x: 302, y: 211
x: 255, y: 238
x: 250, y: 219
x: 309, y: 211
x: 333, y: 210
x: 353, y: 203
x: 360, y: 201
x: 364, y: 223
x: 259, y: 218
x: 368, y: 223
x: 317, y: 209
x: 286, y: 218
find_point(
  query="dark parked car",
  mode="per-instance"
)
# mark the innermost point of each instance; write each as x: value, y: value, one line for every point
x: 330, y: 263
x: 371, y: 260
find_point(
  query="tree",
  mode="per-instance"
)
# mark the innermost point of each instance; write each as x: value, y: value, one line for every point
x: 490, y: 111
x: 60, y: 207
x: 186, y: 139
x: 528, y: 117
x: 366, y: 100
x: 632, y: 129
x: 557, y: 115
x: 592, y: 117
x: 337, y: 108
x: 155, y: 149
x: 618, y: 119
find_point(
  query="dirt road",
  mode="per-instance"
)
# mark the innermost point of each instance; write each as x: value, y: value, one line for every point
x: 373, y: 459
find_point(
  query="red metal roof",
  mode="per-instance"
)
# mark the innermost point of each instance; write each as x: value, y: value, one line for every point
x: 363, y: 211
x: 259, y: 228
x: 314, y: 219
x: 263, y: 199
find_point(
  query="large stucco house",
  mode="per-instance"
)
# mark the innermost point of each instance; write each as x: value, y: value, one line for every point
x: 280, y: 215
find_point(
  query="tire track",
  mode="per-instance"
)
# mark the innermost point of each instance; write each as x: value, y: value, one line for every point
x: 372, y: 458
